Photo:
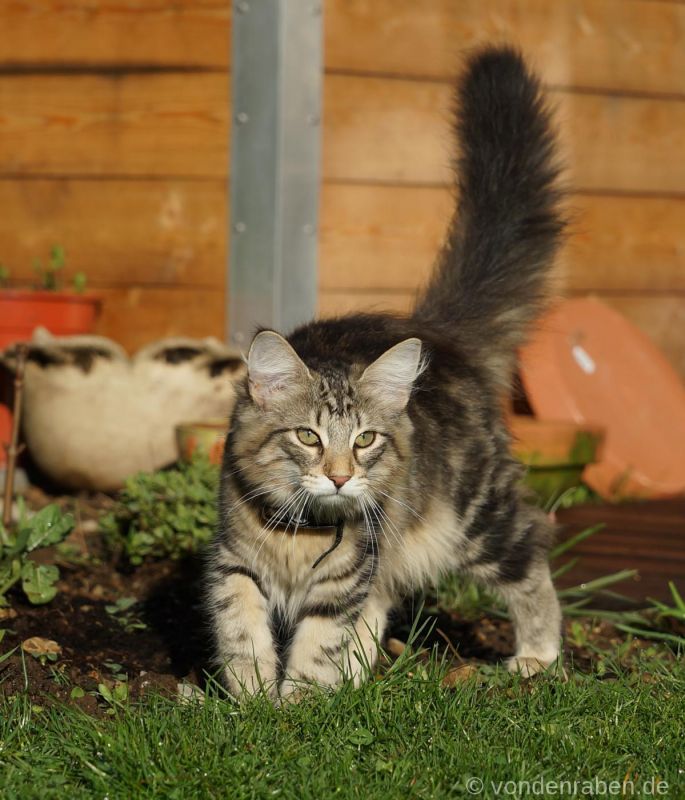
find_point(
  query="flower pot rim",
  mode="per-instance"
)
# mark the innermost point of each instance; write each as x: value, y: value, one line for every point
x: 46, y: 295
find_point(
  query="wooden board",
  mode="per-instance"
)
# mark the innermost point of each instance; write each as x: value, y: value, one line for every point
x: 662, y: 317
x: 139, y: 315
x: 387, y: 237
x: 153, y: 124
x: 118, y: 232
x: 398, y: 132
x: 627, y: 45
x: 375, y: 130
x: 646, y: 536
x: 102, y: 35
x: 173, y: 232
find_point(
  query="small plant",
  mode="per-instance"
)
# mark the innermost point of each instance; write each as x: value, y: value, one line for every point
x: 49, y: 275
x: 48, y: 527
x: 165, y: 514
x: 122, y: 610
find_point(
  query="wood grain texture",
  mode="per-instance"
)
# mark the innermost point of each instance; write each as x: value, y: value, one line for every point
x: 139, y: 125
x: 625, y: 45
x: 397, y: 131
x: 173, y: 232
x: 99, y: 34
x: 387, y: 237
x: 661, y: 317
x: 136, y: 315
x: 375, y: 130
x: 118, y: 232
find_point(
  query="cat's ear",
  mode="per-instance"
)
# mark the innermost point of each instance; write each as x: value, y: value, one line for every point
x: 391, y: 376
x: 274, y: 369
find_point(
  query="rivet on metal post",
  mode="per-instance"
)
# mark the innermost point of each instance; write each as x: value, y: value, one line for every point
x: 243, y: 8
x: 239, y: 227
x: 241, y: 117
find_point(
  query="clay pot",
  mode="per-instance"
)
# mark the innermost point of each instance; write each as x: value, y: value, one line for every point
x: 208, y: 438
x: 21, y: 311
x: 555, y: 452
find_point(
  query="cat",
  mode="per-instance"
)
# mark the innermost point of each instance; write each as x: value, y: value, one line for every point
x: 367, y: 454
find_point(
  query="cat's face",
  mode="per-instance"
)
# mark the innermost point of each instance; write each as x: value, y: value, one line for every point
x: 327, y: 442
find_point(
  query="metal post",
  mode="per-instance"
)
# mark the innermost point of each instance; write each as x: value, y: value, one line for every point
x: 275, y: 155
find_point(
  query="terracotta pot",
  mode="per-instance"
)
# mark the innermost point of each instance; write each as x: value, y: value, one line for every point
x: 204, y: 437
x: 62, y: 313
x: 556, y: 453
x: 22, y: 311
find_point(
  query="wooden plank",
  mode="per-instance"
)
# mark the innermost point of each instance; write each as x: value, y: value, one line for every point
x: 173, y: 232
x: 627, y: 45
x: 375, y: 130
x: 118, y: 232
x: 387, y: 237
x: 646, y: 536
x: 398, y: 131
x: 661, y: 317
x: 112, y: 125
x: 95, y: 34
x: 139, y: 315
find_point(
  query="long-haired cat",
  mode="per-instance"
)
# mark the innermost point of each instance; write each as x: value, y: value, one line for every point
x: 367, y: 454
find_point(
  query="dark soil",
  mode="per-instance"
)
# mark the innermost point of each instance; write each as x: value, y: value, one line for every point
x: 99, y: 647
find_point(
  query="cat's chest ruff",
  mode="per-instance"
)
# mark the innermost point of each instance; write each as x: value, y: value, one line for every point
x: 297, y: 556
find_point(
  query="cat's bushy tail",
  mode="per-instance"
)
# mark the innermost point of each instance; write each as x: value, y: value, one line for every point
x: 491, y: 279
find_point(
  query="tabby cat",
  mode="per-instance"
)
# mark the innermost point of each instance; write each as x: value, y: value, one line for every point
x: 367, y: 454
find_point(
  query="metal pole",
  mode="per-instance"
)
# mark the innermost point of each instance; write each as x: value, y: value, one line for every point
x: 275, y: 164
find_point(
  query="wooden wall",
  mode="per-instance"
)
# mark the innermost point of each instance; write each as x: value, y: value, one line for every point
x: 114, y: 126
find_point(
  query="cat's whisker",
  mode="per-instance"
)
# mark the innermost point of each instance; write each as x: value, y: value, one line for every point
x: 381, y: 515
x: 275, y: 521
x: 259, y: 492
x: 399, y: 502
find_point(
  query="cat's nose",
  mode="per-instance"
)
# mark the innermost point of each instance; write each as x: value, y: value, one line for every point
x: 339, y: 480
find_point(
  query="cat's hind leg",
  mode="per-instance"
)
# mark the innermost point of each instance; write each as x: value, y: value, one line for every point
x: 535, y: 612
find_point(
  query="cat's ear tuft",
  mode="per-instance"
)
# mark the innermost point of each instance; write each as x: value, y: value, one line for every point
x: 274, y: 369
x: 391, y: 376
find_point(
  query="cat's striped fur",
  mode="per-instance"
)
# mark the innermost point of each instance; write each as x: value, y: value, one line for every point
x: 436, y: 489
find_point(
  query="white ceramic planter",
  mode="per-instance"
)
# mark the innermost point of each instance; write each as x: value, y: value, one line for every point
x: 93, y: 416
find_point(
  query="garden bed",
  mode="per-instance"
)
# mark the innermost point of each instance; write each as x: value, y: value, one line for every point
x: 144, y: 626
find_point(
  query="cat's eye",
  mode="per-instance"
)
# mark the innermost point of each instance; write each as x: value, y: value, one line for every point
x: 307, y: 437
x: 365, y: 439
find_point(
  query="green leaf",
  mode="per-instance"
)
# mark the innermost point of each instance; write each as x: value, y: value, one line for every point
x: 38, y: 581
x: 5, y: 656
x: 120, y: 692
x: 77, y: 692
x: 361, y: 736
x: 58, y: 257
x: 105, y: 692
x: 48, y: 526
x: 80, y: 281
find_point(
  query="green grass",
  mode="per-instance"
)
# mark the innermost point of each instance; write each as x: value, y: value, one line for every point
x: 401, y: 736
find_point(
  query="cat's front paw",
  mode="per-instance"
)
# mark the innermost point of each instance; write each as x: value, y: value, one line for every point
x: 294, y: 687
x: 245, y: 678
x: 527, y: 666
